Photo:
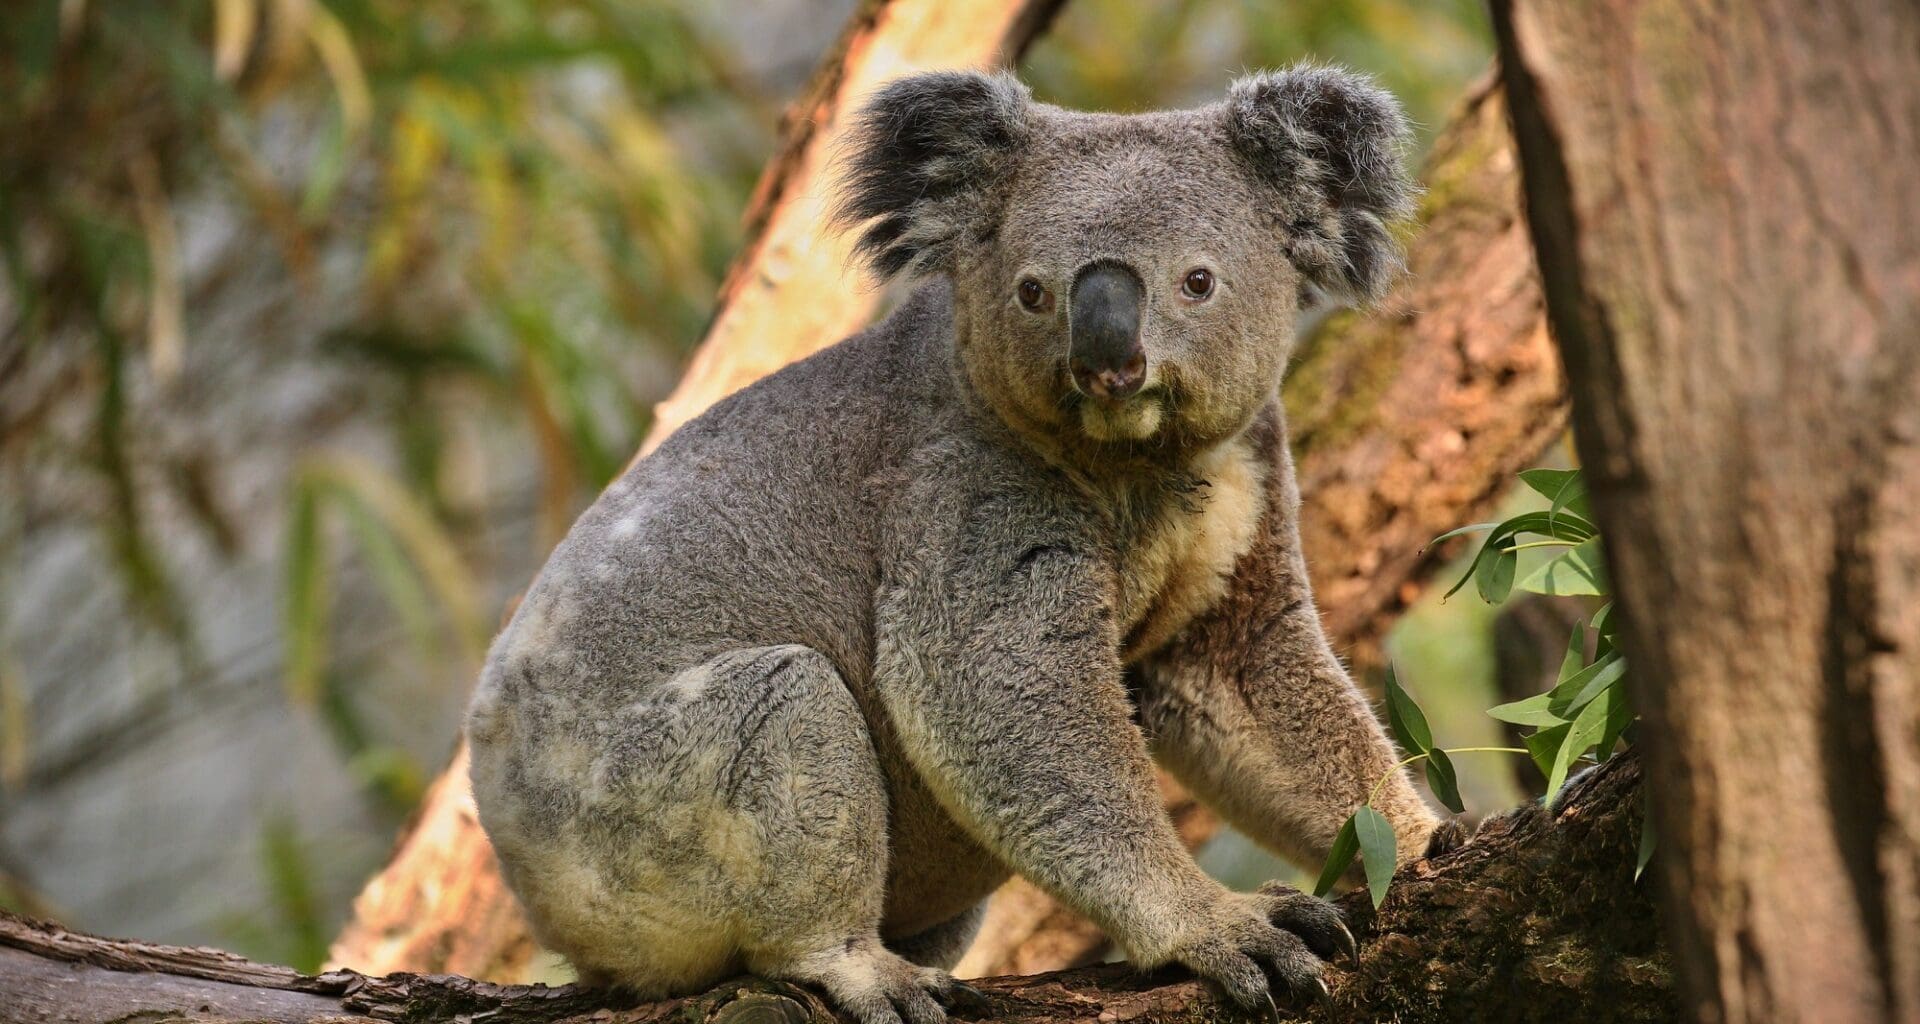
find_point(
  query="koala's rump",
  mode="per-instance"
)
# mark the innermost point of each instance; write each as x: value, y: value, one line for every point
x: 755, y: 525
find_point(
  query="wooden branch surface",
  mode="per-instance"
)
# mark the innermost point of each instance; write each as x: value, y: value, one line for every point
x: 1537, y: 919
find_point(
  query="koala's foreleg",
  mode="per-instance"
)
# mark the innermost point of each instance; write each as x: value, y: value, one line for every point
x: 1001, y: 675
x: 1251, y: 709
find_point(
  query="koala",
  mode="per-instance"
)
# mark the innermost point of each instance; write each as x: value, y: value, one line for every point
x: 806, y: 684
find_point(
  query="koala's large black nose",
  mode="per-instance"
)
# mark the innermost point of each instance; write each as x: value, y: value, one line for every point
x: 1104, y: 352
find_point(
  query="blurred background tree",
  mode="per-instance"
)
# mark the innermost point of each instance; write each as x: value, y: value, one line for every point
x: 321, y: 319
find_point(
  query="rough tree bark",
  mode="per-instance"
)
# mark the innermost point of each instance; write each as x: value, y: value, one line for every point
x: 1537, y: 920
x: 1407, y: 422
x: 1724, y: 205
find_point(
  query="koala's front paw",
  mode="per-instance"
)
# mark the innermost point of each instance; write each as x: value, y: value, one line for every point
x: 1448, y: 836
x: 1317, y: 922
x: 1267, y: 940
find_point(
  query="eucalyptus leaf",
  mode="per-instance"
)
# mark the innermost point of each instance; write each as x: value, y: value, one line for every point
x: 1576, y: 656
x: 1536, y: 710
x: 1619, y: 717
x: 1577, y: 692
x: 1443, y: 781
x: 1566, y: 526
x: 1576, y: 573
x: 1564, y: 487
x: 1581, y: 735
x: 1544, y: 746
x: 1405, y: 718
x: 1345, y: 846
x: 1494, y: 577
x: 1461, y: 531
x: 1378, y: 851
x: 1562, y: 525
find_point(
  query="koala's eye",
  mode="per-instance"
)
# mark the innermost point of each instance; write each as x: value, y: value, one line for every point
x: 1033, y: 294
x: 1198, y: 283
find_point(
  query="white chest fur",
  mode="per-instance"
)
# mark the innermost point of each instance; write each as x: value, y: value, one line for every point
x: 1179, y: 567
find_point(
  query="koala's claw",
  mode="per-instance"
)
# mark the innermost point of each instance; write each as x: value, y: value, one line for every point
x: 958, y: 995
x: 1450, y: 835
x: 1326, y: 995
x: 1249, y: 956
x: 1317, y: 922
x: 1351, y: 947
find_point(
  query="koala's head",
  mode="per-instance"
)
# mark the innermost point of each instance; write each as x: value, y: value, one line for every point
x: 1131, y: 279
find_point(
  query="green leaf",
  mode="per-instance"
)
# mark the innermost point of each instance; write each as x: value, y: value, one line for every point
x: 1565, y: 526
x: 1560, y: 526
x: 1603, y: 626
x: 1442, y: 780
x: 1469, y: 528
x: 1405, y: 718
x: 1578, y: 572
x: 1620, y: 717
x: 1378, y: 851
x: 1577, y: 692
x: 1564, y: 487
x: 1576, y: 657
x: 1536, y: 711
x: 1544, y: 746
x: 1494, y: 576
x: 1581, y: 735
x: 1345, y: 845
x: 1490, y: 545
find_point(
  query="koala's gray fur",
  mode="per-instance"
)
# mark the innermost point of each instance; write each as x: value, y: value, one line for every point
x: 804, y: 686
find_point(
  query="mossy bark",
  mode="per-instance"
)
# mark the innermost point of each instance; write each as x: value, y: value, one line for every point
x: 1539, y: 918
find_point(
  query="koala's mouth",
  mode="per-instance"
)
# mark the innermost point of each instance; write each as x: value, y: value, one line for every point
x: 1138, y: 417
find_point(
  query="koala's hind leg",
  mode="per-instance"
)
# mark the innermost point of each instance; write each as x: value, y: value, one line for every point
x: 793, y: 834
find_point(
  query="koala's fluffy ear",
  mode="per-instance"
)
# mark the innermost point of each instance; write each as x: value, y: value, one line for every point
x: 920, y: 157
x: 1332, y: 145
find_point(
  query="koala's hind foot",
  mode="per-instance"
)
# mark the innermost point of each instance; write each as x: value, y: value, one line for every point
x: 874, y: 984
x: 738, y: 819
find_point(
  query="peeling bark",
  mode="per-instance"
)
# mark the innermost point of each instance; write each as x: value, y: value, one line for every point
x: 1538, y: 919
x: 1723, y: 200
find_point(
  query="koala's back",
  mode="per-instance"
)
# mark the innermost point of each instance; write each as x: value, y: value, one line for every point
x: 753, y: 524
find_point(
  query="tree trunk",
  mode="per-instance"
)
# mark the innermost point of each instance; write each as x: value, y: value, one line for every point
x: 1724, y: 203
x: 1537, y: 920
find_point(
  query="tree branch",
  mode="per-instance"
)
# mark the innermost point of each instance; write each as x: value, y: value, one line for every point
x: 1538, y: 919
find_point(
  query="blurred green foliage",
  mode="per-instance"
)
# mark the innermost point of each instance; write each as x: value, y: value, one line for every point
x: 521, y: 156
x: 1127, y: 55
